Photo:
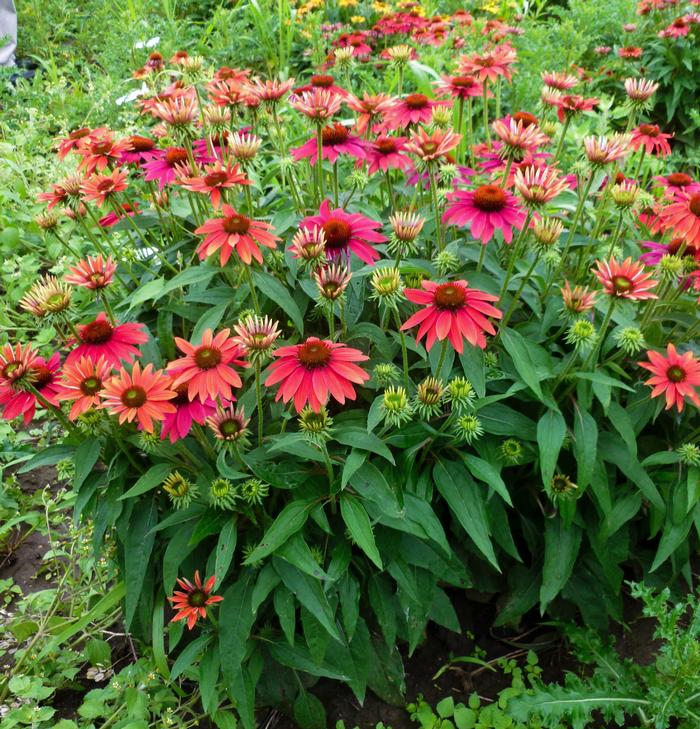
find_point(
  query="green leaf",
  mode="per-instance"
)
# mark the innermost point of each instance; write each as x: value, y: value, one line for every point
x: 147, y: 292
x: 551, y: 430
x: 623, y: 425
x: 209, y: 320
x: 201, y: 274
x: 486, y: 472
x: 236, y: 619
x: 138, y: 546
x: 354, y: 460
x: 48, y: 457
x: 360, y: 438
x: 289, y: 521
x: 152, y: 478
x: 209, y: 677
x: 527, y: 359
x: 296, y: 551
x: 585, y: 446
x: 86, y: 456
x: 225, y: 548
x: 299, y: 659
x: 189, y: 654
x: 561, y: 547
x: 309, y: 712
x: 278, y: 294
x: 358, y: 524
x: 283, y: 600
x: 464, y: 499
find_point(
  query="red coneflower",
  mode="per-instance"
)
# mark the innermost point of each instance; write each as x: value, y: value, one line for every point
x: 207, y: 367
x: 630, y: 52
x: 192, y: 600
x: 652, y: 139
x: 676, y: 376
x: 411, y: 109
x: 43, y: 376
x: 82, y: 383
x: 74, y: 140
x: 386, y: 153
x: 177, y: 425
x: 215, y: 178
x: 100, y: 150
x: 115, y: 343
x: 626, y: 280
x: 346, y: 233
x: 141, y: 395
x: 485, y: 210
x: 335, y: 140
x: 99, y: 188
x: 683, y: 216
x: 452, y: 311
x: 235, y: 232
x: 92, y: 273
x: 313, y: 371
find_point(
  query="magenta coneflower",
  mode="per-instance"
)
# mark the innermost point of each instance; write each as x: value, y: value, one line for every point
x: 678, y: 182
x: 679, y: 28
x: 385, y: 153
x: 165, y: 165
x: 207, y: 367
x: 82, y: 383
x: 652, y: 139
x: 235, y: 232
x: 178, y: 424
x: 116, y: 343
x: 452, y: 311
x: 113, y: 217
x: 485, y: 210
x: 683, y: 216
x: 347, y: 233
x: 430, y: 147
x: 332, y: 280
x: 138, y: 146
x: 214, y: 179
x: 656, y: 251
x: 44, y: 377
x: 336, y: 140
x: 256, y: 335
x: 411, y: 109
x: 626, y: 280
x: 92, y: 273
x: 313, y: 371
x: 459, y: 87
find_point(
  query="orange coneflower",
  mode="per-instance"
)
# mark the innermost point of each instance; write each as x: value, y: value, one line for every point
x: 82, y: 384
x: 676, y: 376
x: 92, y: 273
x: 626, y: 280
x: 192, y: 600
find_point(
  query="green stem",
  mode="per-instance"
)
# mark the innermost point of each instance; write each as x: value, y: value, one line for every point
x: 404, y: 350
x: 258, y: 395
x: 514, y: 253
x: 516, y: 297
x: 560, y: 145
x: 436, y: 207
x: 482, y: 256
x: 319, y: 163
x: 251, y: 286
x: 485, y: 105
x: 593, y: 356
x: 441, y: 361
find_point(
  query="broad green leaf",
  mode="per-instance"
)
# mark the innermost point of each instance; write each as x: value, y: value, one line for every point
x: 86, y: 456
x: 296, y: 551
x: 309, y: 712
x: 359, y: 526
x: 236, y: 619
x: 189, y: 655
x: 486, y: 472
x: 528, y: 360
x: 225, y: 547
x: 551, y: 430
x: 464, y: 499
x: 561, y: 547
x: 623, y: 425
x: 289, y: 521
x: 278, y: 294
x: 152, y: 478
x: 354, y: 460
x: 360, y: 438
x: 137, y: 554
x: 209, y: 320
x: 585, y: 446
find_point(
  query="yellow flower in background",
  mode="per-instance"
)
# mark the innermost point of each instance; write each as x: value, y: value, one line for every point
x: 358, y: 19
x: 382, y: 8
x: 347, y: 3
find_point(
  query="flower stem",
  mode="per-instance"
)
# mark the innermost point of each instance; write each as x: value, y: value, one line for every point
x: 319, y: 163
x: 436, y: 207
x: 404, y: 351
x: 251, y: 286
x: 258, y: 395
x: 441, y: 361
x: 487, y: 131
x: 516, y: 297
x: 560, y: 145
x: 593, y: 356
x: 514, y: 253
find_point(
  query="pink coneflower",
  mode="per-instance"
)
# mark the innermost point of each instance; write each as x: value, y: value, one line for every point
x: 411, y: 109
x: 215, y: 178
x: 116, y: 343
x: 452, y: 311
x: 406, y: 226
x: 459, y: 87
x: 572, y: 104
x: 229, y: 424
x: 207, y: 367
x: 626, y: 280
x: 309, y: 245
x: 683, y: 216
x: 191, y: 602
x: 74, y: 140
x: 369, y: 109
x: 678, y: 182
x: 430, y: 147
x: 256, y: 335
x: 605, y: 150
x: 244, y: 146
x: 679, y: 28
x: 43, y: 376
x: 235, y: 232
x: 675, y: 376
x: 386, y: 153
x: 539, y: 185
x: 100, y: 150
x: 15, y: 362
x: 518, y: 138
x: 490, y: 65
x: 82, y: 383
x: 336, y: 140
x: 178, y: 111
x: 92, y: 273
x: 165, y: 165
x: 141, y: 395
x: 347, y: 233
x: 100, y: 188
x: 270, y: 91
x: 177, y: 425
x: 652, y: 139
x: 332, y: 280
x: 656, y: 251
x: 313, y: 371
x: 485, y: 210
x: 630, y: 52
x: 640, y: 90
x: 577, y: 300
x: 602, y: 50
x: 559, y: 80
x: 317, y: 104
x: 112, y: 217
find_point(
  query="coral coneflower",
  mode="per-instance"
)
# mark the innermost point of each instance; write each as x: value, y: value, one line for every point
x: 452, y: 311
x: 82, y: 383
x: 43, y: 376
x: 346, y: 233
x: 369, y: 109
x: 539, y: 185
x: 630, y: 52
x: 313, y: 371
x: 335, y: 140
x: 386, y: 153
x: 92, y: 273
x: 430, y: 147
x: 683, y: 216
x: 191, y: 602
x: 177, y: 111
x: 491, y: 65
x: 626, y: 280
x: 207, y: 367
x: 116, y: 343
x: 74, y: 140
x: 559, y: 80
x: 141, y: 395
x: 100, y: 150
x: 485, y: 210
x: 411, y: 109
x: 319, y: 104
x: 229, y: 425
x: 214, y: 179
x: 459, y: 87
x: 675, y: 376
x: 577, y: 300
x: 652, y: 139
x: 99, y: 188
x: 177, y: 425
x: 235, y: 232
x: 572, y: 104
